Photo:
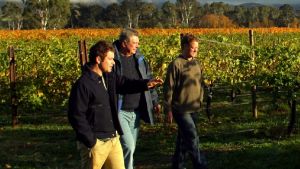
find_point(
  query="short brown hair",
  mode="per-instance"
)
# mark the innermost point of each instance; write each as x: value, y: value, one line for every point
x: 186, y: 39
x: 99, y: 49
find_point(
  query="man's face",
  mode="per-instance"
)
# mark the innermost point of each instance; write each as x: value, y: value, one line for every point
x: 132, y: 44
x: 191, y: 50
x: 108, y: 62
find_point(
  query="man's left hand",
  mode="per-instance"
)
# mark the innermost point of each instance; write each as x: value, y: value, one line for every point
x: 157, y: 108
x: 154, y: 82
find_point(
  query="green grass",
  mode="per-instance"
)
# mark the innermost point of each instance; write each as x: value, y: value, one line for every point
x: 231, y: 140
x: 38, y: 145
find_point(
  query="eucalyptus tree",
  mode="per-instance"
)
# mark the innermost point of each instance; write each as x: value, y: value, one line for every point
x: 33, y: 15
x: 11, y: 13
x: 205, y: 9
x: 252, y: 16
x: 238, y: 15
x: 219, y: 8
x: 75, y: 16
x: 89, y: 15
x: 114, y: 16
x: 132, y: 9
x: 59, y: 13
x: 187, y: 10
x: 46, y: 14
x: 149, y: 15
x: 287, y: 15
x: 169, y: 14
x: 274, y: 14
x: 263, y: 16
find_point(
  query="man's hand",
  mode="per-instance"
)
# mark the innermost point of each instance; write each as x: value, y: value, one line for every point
x: 170, y: 117
x: 157, y: 108
x: 154, y: 82
x: 208, y: 82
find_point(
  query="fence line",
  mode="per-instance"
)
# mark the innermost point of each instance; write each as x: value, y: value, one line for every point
x: 225, y: 43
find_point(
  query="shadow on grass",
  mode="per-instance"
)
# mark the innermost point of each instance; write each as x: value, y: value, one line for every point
x: 50, y: 143
x: 35, y: 119
x: 268, y: 156
x: 154, y: 147
x: 237, y: 150
x: 28, y: 147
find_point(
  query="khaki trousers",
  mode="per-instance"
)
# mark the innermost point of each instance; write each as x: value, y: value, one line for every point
x: 108, y: 154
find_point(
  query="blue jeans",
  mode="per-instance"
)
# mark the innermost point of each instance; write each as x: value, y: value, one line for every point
x: 187, y: 142
x: 130, y: 123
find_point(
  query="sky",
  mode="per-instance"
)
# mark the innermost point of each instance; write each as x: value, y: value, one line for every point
x: 234, y: 2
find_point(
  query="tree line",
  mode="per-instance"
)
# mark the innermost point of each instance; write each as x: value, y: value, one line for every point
x: 58, y: 14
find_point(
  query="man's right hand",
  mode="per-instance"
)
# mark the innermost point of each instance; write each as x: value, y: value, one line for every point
x: 154, y: 82
x: 170, y: 117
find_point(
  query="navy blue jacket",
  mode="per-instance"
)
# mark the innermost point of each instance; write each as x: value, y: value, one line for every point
x: 93, y: 110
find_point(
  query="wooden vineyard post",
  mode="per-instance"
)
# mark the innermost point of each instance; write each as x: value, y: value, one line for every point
x: 232, y: 95
x: 293, y: 105
x: 253, y: 89
x: 82, y: 52
x: 12, y: 78
x: 292, y: 122
x: 254, y: 103
x: 208, y: 102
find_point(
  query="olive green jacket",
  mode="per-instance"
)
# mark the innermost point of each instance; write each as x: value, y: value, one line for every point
x: 183, y: 86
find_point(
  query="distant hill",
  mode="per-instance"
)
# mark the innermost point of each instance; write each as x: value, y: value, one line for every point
x: 251, y: 5
x: 296, y: 6
x: 248, y: 5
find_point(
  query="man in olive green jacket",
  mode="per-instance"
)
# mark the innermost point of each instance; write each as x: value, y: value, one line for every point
x: 183, y: 95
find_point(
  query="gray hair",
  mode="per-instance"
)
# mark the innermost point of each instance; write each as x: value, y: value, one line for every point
x: 126, y: 33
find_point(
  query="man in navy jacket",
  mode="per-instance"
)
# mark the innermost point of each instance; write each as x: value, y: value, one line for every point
x: 93, y: 110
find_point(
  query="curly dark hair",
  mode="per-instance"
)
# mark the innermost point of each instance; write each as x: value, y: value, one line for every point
x: 186, y: 39
x: 99, y: 49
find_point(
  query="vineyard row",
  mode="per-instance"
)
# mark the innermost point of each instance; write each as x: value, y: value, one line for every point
x: 46, y: 69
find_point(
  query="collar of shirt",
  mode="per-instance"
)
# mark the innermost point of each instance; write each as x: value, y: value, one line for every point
x: 93, y: 75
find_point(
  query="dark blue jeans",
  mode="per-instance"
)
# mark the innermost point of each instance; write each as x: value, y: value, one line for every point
x: 187, y: 142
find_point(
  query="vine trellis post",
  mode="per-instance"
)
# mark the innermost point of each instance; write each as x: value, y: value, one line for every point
x: 12, y: 79
x: 82, y: 52
x: 293, y: 106
x: 253, y: 88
